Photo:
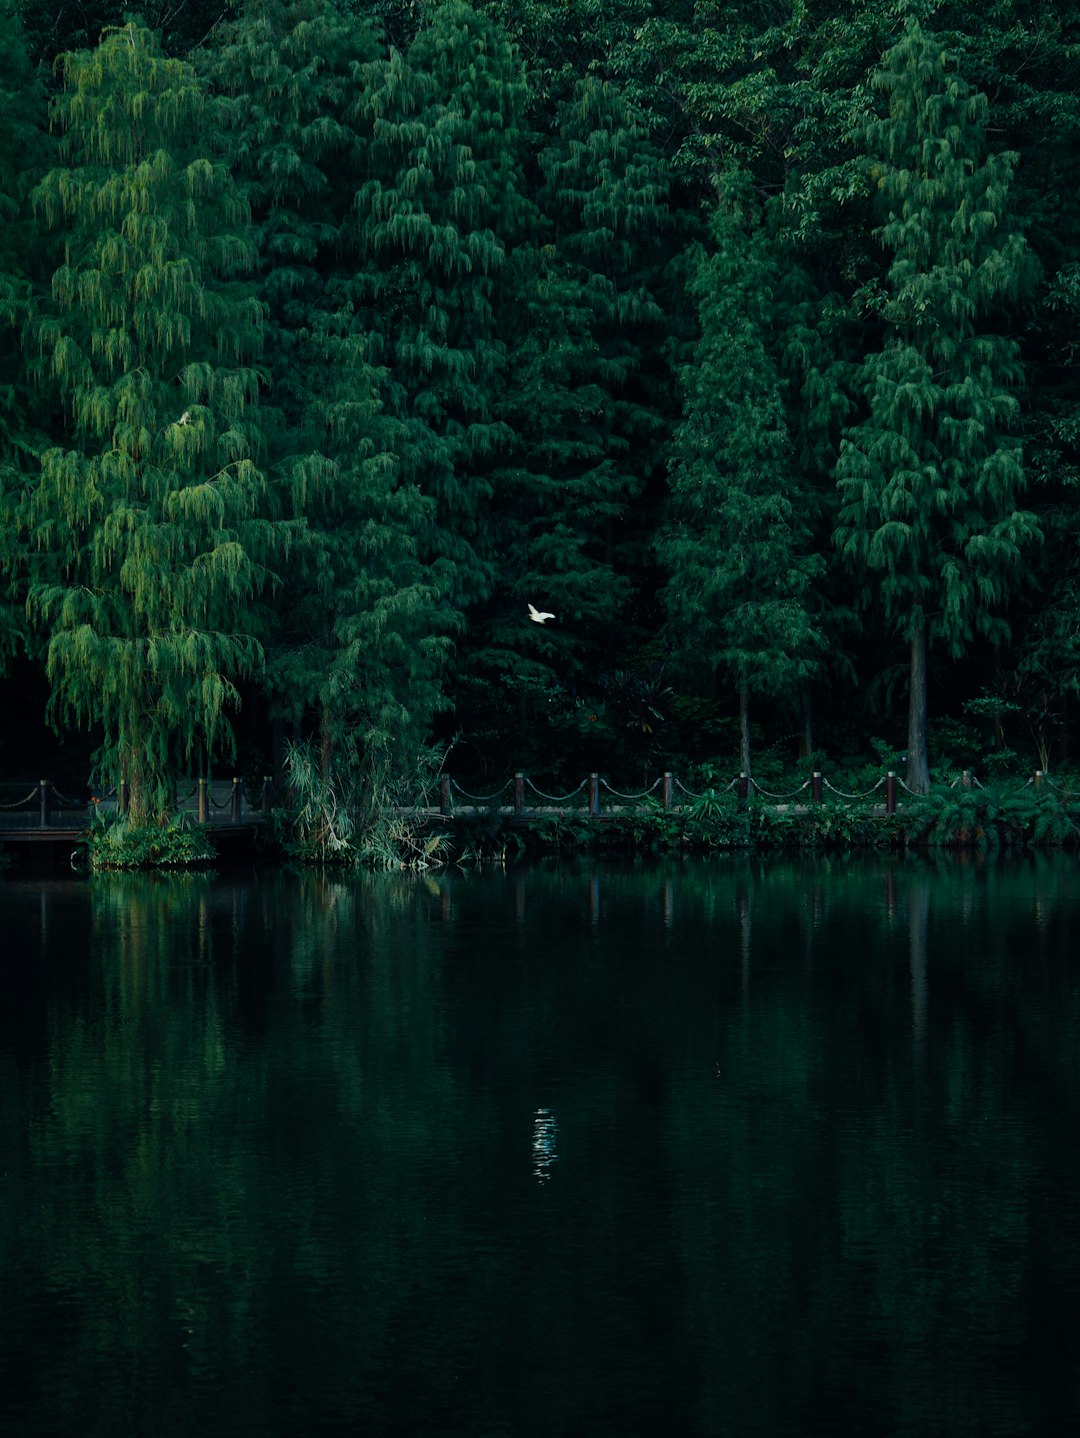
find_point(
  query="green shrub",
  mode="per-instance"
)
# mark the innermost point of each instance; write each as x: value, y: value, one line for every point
x: 118, y: 844
x: 1003, y: 816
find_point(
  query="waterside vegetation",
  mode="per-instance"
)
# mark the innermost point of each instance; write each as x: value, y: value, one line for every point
x: 325, y: 832
x: 739, y: 340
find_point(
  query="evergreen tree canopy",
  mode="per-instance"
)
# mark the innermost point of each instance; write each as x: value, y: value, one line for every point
x: 149, y: 526
x: 582, y: 325
x: 435, y: 221
x: 930, y: 479
x: 22, y: 148
x: 738, y: 546
x: 359, y: 628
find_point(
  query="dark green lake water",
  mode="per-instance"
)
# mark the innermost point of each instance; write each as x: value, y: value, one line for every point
x: 728, y: 1148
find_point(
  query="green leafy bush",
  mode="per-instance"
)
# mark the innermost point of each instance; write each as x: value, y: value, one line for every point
x: 119, y: 844
x: 1006, y: 815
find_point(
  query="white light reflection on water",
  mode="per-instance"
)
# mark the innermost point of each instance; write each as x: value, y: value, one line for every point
x: 544, y: 1143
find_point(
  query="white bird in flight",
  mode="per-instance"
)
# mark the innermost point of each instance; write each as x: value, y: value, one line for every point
x: 537, y: 617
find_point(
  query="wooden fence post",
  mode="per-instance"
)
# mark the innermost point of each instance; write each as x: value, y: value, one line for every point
x: 519, y: 793
x: 744, y: 787
x: 890, y: 792
x: 122, y: 795
x: 668, y: 789
x: 1039, y: 777
x: 204, y: 807
x: 446, y: 802
x: 965, y: 779
x: 816, y: 786
x: 594, y: 794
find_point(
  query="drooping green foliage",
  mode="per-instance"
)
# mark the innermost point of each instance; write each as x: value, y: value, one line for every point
x: 472, y: 238
x: 434, y: 222
x: 22, y: 147
x: 738, y: 543
x: 930, y: 479
x: 583, y: 325
x: 148, y: 520
x: 359, y: 639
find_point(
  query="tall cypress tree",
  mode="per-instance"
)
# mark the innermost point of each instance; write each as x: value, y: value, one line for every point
x: 22, y: 150
x: 738, y: 543
x: 357, y: 634
x: 433, y: 226
x: 583, y: 328
x: 149, y: 526
x: 930, y: 479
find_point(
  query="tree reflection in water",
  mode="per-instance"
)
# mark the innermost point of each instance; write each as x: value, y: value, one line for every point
x: 263, y: 1152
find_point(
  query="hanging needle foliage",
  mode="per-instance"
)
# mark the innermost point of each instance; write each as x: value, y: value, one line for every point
x: 149, y: 526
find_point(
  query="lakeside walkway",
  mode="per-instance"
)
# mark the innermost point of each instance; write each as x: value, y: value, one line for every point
x: 39, y: 813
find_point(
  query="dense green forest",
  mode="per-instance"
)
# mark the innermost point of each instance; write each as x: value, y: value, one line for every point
x: 739, y: 337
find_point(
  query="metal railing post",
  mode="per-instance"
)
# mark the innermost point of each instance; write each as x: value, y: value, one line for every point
x: 594, y: 794
x: 446, y: 799
x: 204, y: 807
x: 43, y: 802
x: 817, y: 785
x: 890, y: 792
x: 669, y: 789
x: 236, y: 805
x: 519, y: 793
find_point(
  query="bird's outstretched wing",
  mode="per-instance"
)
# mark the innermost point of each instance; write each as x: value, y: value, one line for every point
x: 538, y: 616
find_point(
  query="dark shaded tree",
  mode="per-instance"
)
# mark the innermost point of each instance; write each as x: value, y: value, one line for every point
x: 738, y: 542
x: 357, y: 638
x: 930, y: 479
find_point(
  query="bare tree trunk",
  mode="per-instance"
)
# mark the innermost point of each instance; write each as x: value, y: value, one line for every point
x: 277, y: 745
x: 139, y: 808
x: 744, y: 730
x: 918, y: 769
x: 806, y: 741
x: 1063, y: 731
x: 326, y: 743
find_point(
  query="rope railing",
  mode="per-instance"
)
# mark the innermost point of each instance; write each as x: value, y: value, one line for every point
x: 675, y: 794
x: 691, y: 795
x: 780, y: 797
x: 514, y: 792
x: 67, y: 801
x: 46, y: 806
x: 556, y: 798
x: 31, y: 798
x: 630, y: 798
x: 42, y: 808
x: 481, y: 798
x: 864, y: 795
x: 232, y: 800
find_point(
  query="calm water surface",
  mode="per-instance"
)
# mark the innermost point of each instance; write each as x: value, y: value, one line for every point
x: 730, y: 1148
